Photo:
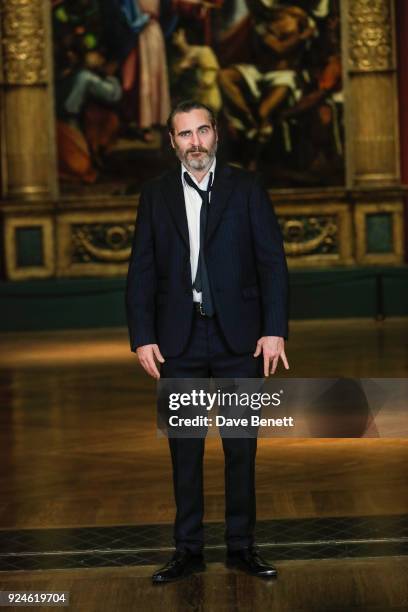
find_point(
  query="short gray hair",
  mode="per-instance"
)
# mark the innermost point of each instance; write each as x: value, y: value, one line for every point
x: 185, y: 107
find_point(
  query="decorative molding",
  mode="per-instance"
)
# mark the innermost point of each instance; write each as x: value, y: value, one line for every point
x: 326, y: 232
x: 307, y: 235
x: 101, y: 242
x: 23, y: 42
x: 370, y: 35
x: 316, y: 234
x: 95, y: 243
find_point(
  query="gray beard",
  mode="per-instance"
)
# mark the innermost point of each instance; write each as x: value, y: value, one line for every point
x: 198, y: 164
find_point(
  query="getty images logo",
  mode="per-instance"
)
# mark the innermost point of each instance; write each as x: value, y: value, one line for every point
x: 207, y: 401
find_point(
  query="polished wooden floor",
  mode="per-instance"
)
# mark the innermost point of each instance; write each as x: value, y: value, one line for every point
x: 78, y: 447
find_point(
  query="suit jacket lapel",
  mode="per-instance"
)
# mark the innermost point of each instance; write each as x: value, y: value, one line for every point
x: 222, y: 187
x: 174, y: 196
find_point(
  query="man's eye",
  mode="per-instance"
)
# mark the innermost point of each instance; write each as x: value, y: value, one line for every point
x: 184, y: 134
x: 204, y: 130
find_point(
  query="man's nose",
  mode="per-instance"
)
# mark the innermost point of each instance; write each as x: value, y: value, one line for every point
x: 195, y: 139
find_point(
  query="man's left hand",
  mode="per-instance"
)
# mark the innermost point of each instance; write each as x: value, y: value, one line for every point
x: 272, y: 348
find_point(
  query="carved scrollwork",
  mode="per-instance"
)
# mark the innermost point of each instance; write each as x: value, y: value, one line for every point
x: 305, y: 235
x: 23, y: 42
x: 101, y: 242
x: 370, y: 46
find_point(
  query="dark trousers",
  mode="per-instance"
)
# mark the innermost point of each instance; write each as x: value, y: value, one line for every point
x: 207, y: 355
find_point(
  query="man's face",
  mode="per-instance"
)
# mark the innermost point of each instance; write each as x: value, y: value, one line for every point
x: 194, y: 139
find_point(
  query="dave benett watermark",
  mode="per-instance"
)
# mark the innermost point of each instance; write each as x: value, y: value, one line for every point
x: 221, y: 421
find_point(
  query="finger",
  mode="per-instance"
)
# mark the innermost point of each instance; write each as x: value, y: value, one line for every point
x: 274, y: 364
x: 257, y: 350
x: 266, y: 365
x: 284, y: 359
x: 145, y: 366
x: 158, y: 354
x: 153, y: 368
x: 148, y: 367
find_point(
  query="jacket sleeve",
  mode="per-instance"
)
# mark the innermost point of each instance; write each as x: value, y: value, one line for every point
x: 270, y: 261
x: 141, y: 279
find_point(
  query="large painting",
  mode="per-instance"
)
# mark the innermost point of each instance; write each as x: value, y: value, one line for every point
x: 270, y: 70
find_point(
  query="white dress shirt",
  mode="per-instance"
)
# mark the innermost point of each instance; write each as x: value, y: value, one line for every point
x: 193, y: 202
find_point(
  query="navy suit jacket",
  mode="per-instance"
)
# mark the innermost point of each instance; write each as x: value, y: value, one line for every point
x: 245, y: 261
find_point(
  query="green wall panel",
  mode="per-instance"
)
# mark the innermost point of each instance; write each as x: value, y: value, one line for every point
x: 92, y: 303
x: 379, y: 233
x: 29, y: 246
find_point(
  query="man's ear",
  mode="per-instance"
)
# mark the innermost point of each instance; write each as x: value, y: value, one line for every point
x: 172, y: 140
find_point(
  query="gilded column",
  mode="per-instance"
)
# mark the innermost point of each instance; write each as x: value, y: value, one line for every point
x: 372, y: 101
x: 28, y: 141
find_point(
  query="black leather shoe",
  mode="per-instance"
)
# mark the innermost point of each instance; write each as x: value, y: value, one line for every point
x: 183, y: 563
x: 250, y: 561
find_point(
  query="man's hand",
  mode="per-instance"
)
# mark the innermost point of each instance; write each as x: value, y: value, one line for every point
x: 272, y: 348
x: 146, y: 355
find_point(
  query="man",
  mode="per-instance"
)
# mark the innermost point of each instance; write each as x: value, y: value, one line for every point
x: 206, y: 297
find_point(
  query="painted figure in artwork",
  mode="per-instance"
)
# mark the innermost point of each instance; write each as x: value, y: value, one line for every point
x: 201, y: 63
x: 144, y: 72
x: 256, y: 90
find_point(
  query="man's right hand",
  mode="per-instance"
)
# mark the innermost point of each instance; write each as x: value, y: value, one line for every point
x: 146, y: 355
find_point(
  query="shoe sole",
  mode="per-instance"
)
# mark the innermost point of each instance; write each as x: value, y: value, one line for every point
x: 198, y: 570
x: 238, y: 566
